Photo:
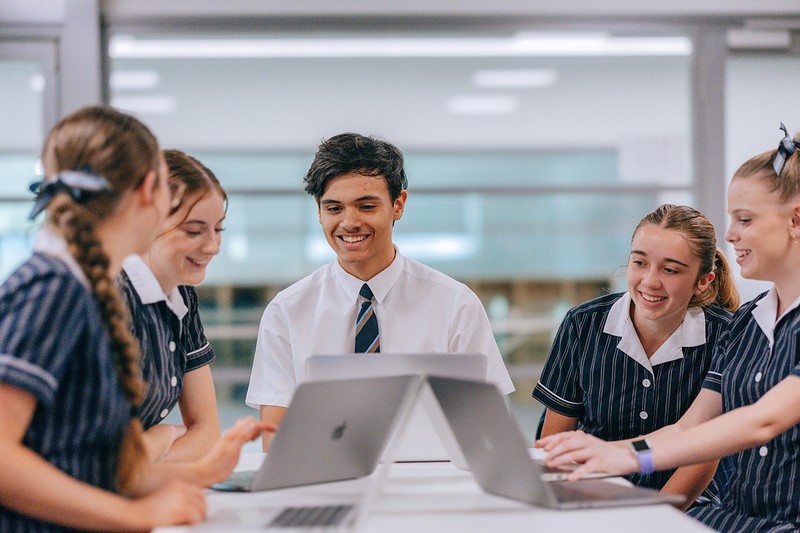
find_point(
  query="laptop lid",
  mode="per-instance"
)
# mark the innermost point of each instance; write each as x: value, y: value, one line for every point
x: 426, y: 435
x: 497, y: 454
x: 335, y: 430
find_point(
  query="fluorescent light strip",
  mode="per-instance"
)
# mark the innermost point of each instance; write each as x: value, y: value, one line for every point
x: 514, y: 79
x: 522, y: 45
x: 482, y: 105
x: 122, y: 80
x: 149, y: 105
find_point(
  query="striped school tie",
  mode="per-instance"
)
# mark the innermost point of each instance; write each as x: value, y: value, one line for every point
x: 368, y: 338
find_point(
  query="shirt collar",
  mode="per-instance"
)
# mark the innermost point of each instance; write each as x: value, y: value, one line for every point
x: 48, y: 242
x: 380, y: 284
x: 148, y: 288
x: 691, y: 332
x: 766, y: 313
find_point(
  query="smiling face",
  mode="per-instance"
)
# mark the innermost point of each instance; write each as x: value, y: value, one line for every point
x: 662, y: 277
x: 357, y: 215
x: 762, y: 230
x: 181, y: 254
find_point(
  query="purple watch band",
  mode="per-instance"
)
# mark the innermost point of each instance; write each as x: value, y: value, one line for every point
x: 645, y: 462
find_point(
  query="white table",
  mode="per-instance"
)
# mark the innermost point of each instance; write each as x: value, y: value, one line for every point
x: 432, y: 497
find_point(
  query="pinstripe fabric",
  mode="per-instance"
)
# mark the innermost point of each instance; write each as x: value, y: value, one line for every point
x: 54, y: 346
x: 764, y: 488
x: 614, y: 397
x: 727, y: 521
x: 169, y: 348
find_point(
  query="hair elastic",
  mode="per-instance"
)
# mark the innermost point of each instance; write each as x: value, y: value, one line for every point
x: 76, y: 183
x: 786, y: 148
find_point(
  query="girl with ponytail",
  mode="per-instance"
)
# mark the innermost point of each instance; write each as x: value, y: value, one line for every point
x: 627, y: 364
x: 749, y: 408
x: 71, y: 452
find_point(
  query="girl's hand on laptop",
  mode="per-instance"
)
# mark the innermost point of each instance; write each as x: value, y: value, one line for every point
x: 220, y: 461
x: 593, y: 454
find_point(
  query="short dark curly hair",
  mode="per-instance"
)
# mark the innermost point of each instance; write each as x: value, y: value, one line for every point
x: 351, y: 152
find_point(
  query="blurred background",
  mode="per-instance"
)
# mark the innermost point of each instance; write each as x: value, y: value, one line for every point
x: 536, y: 134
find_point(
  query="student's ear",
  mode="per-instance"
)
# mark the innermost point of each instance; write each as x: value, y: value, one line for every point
x: 400, y: 205
x: 795, y: 224
x: 147, y: 189
x: 703, y: 283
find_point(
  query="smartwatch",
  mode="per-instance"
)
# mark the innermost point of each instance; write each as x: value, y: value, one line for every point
x: 641, y: 449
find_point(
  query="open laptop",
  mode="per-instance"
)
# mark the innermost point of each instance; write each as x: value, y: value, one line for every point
x: 495, y: 449
x: 425, y: 436
x: 332, y: 431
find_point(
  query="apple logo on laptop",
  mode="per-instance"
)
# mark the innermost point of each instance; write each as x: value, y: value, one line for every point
x: 338, y: 432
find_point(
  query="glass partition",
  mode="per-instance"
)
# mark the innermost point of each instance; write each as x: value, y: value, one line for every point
x: 756, y: 89
x: 22, y: 109
x: 531, y: 156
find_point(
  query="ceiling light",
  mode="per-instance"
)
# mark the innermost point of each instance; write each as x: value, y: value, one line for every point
x: 121, y: 80
x: 598, y: 44
x: 502, y: 79
x: 145, y: 105
x: 482, y: 105
x: 519, y: 45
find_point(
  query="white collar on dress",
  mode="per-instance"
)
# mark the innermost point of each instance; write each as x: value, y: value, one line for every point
x: 48, y: 242
x: 766, y: 313
x: 691, y: 332
x: 380, y: 284
x: 148, y: 288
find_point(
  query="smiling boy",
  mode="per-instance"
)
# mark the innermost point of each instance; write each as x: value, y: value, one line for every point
x: 359, y: 185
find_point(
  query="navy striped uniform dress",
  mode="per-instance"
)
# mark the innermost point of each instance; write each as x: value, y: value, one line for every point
x: 598, y: 372
x: 764, y: 488
x: 53, y: 345
x: 170, y: 335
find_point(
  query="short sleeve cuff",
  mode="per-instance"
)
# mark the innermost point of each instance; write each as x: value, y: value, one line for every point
x: 28, y: 377
x: 713, y: 381
x: 200, y: 357
x: 556, y: 403
x: 796, y: 371
x: 257, y: 400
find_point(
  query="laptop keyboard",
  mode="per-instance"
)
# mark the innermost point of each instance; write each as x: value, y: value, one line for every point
x: 312, y: 516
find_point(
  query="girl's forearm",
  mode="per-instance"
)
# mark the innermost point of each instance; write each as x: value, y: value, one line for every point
x: 33, y: 487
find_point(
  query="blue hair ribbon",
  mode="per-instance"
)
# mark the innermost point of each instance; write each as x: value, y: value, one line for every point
x: 785, y: 149
x: 76, y: 183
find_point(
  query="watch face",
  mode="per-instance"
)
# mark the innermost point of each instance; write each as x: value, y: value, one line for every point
x: 640, y: 445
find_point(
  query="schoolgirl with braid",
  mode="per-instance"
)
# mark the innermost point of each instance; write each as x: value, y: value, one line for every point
x: 71, y: 453
x: 749, y: 408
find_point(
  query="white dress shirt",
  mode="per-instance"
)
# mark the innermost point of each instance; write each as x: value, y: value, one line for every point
x: 419, y: 310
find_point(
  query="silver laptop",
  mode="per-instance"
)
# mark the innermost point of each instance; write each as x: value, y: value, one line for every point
x: 495, y: 449
x: 332, y: 431
x: 425, y: 436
